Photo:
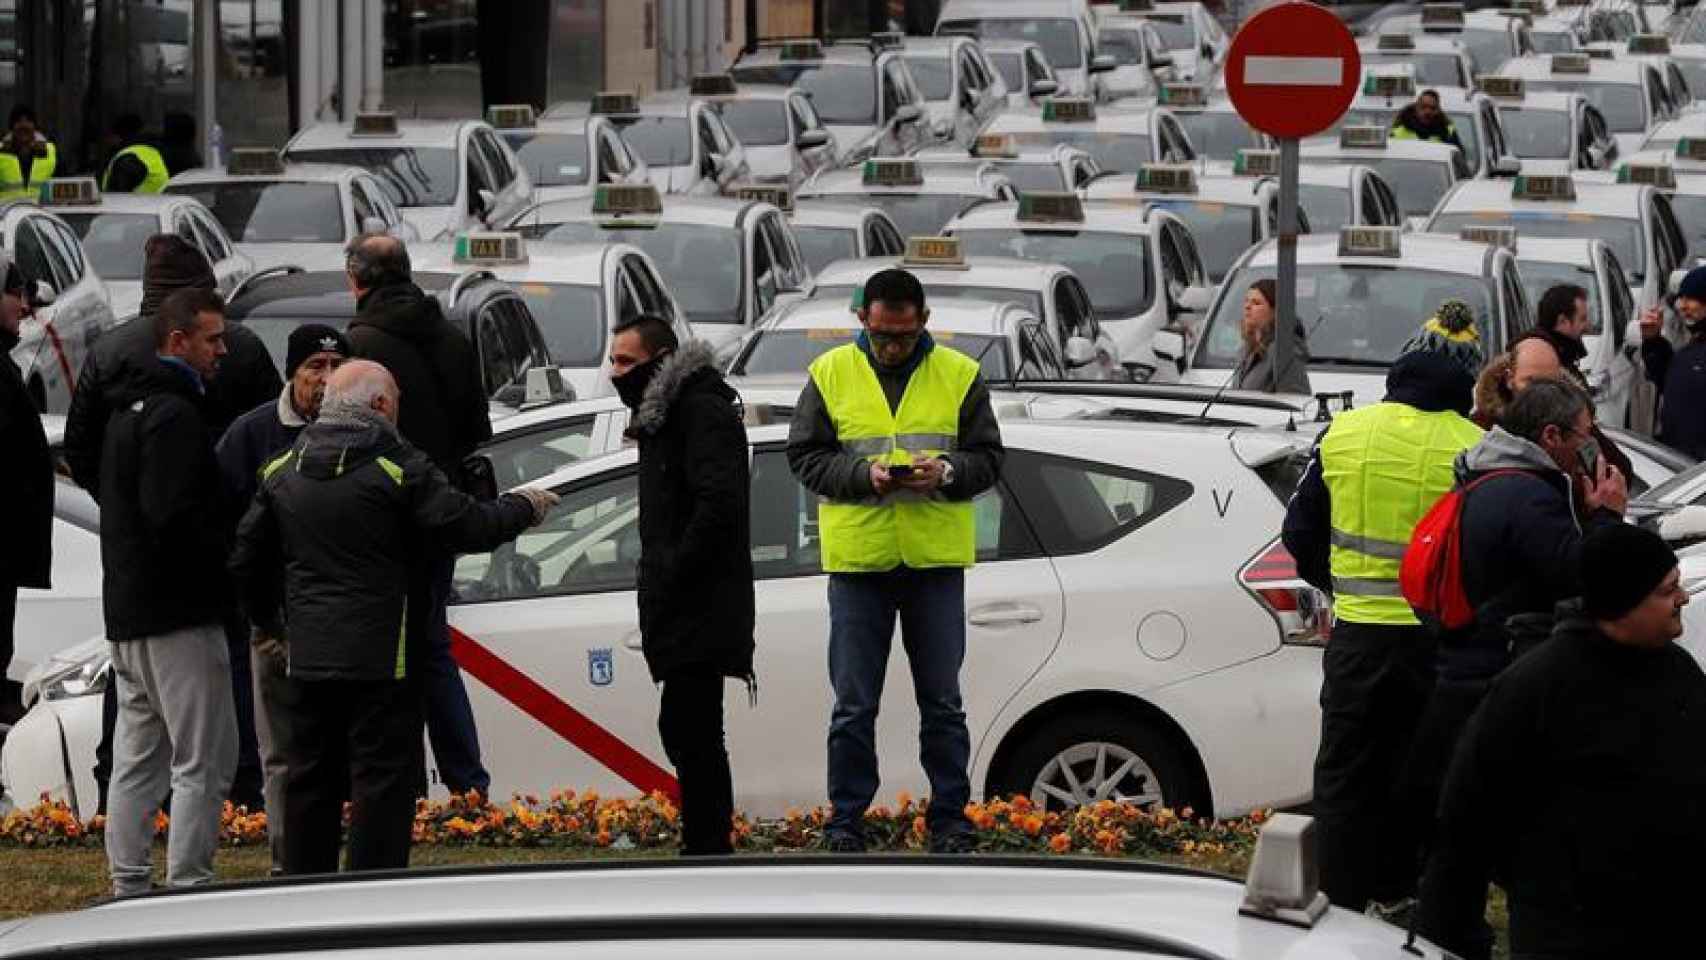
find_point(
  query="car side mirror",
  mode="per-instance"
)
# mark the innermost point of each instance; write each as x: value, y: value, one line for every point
x: 1102, y: 63
x: 1162, y: 62
x: 480, y: 477
x: 1080, y: 352
x: 1043, y: 88
x: 1195, y: 299
x: 44, y: 295
x: 909, y: 113
x: 484, y: 200
x: 812, y: 139
x: 546, y: 385
x: 1507, y: 166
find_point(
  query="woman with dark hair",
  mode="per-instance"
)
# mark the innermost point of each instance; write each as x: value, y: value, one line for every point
x: 1255, y: 368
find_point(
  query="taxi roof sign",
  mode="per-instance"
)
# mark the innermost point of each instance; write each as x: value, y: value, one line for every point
x: 1498, y: 236
x: 888, y: 40
x: 1069, y: 110
x: 1137, y: 6
x: 614, y: 103
x: 63, y: 191
x: 1369, y: 242
x: 1650, y: 43
x: 254, y: 162
x: 1571, y: 63
x: 1536, y: 186
x: 1442, y: 16
x: 934, y: 252
x: 995, y: 145
x: 1600, y: 53
x: 621, y: 199
x: 800, y: 50
x: 1362, y: 137
x: 1395, y: 41
x: 511, y: 116
x: 1661, y: 175
x: 1184, y: 95
x: 375, y: 125
x: 1691, y: 148
x: 1050, y: 206
x: 1389, y: 85
x: 490, y: 248
x: 713, y: 85
x: 892, y: 172
x: 1502, y: 88
x: 1167, y: 178
x: 1532, y: 6
x: 779, y: 197
x: 1256, y: 163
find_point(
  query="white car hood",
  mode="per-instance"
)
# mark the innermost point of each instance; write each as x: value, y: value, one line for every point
x: 1074, y: 82
x: 432, y: 223
x: 673, y: 179
x: 565, y: 192
x: 1184, y: 63
x: 854, y: 136
x: 308, y: 256
x: 1128, y: 81
x: 770, y: 163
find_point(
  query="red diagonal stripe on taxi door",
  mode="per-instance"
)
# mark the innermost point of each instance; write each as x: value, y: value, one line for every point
x: 560, y: 718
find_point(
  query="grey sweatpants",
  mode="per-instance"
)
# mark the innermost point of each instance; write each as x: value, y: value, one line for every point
x: 177, y: 731
x: 275, y: 696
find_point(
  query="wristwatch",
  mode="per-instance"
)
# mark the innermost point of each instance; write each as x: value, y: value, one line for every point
x: 947, y: 472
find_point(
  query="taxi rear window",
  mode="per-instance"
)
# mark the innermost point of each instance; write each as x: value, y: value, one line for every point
x: 1118, y: 152
x: 1622, y: 236
x: 551, y: 159
x: 844, y: 93
x: 413, y: 176
x: 114, y: 241
x: 1114, y: 267
x: 272, y: 212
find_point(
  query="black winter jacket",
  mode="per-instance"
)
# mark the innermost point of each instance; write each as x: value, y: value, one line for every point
x: 325, y: 554
x: 695, y: 583
x: 250, y: 443
x: 163, y: 532
x: 1579, y: 787
x: 247, y: 378
x: 26, y: 482
x: 1681, y: 379
x: 444, y: 412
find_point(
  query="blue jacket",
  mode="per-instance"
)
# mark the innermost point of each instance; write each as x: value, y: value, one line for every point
x: 251, y: 441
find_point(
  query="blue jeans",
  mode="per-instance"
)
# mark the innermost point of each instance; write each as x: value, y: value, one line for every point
x: 449, y: 715
x: 931, y: 605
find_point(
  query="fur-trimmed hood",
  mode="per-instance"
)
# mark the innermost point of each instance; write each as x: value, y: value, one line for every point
x: 686, y: 365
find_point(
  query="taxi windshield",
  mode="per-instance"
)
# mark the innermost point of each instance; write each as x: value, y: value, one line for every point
x: 272, y: 212
x: 1029, y: 300
x: 694, y: 259
x: 822, y: 246
x: 1175, y: 29
x: 757, y: 123
x: 1113, y: 266
x: 1057, y: 36
x: 1537, y: 133
x: 413, y: 176
x: 1418, y: 184
x: 1118, y: 152
x: 934, y: 74
x: 1352, y: 315
x: 660, y: 141
x: 1328, y: 208
x: 1623, y: 236
x: 1432, y: 69
x: 1124, y: 44
x: 1623, y: 104
x: 1539, y: 276
x: 1029, y: 177
x: 1220, y: 134
x: 792, y: 351
x: 1549, y: 41
x: 572, y: 319
x: 1011, y: 66
x: 919, y: 214
x: 114, y: 241
x: 551, y: 159
x: 844, y: 93
x: 1222, y: 230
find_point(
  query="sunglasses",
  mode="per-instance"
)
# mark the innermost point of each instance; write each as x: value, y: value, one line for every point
x: 893, y: 339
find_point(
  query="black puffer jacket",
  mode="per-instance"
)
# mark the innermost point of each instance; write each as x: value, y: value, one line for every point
x: 26, y: 482
x: 696, y: 605
x: 444, y: 412
x: 325, y: 552
x: 163, y: 536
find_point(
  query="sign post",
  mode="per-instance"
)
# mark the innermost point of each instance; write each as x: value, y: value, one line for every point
x: 1292, y: 72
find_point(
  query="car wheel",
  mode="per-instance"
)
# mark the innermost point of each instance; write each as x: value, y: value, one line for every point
x: 1085, y: 758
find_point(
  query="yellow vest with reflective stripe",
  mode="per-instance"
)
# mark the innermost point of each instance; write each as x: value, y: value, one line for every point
x: 1401, y: 132
x: 903, y: 527
x: 12, y: 185
x: 157, y: 175
x: 1384, y: 466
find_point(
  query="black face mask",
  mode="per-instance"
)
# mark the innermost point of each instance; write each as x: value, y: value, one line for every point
x: 631, y: 386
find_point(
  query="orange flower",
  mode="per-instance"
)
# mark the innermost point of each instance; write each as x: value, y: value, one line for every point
x: 1060, y: 842
x: 918, y: 828
x: 1033, y: 825
x: 1021, y: 803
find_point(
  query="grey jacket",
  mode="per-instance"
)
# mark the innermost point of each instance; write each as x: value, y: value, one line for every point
x: 1256, y: 371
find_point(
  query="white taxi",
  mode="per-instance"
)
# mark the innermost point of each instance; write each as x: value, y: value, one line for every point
x: 1141, y: 270
x: 962, y: 90
x: 1140, y: 56
x: 73, y: 307
x: 1119, y: 139
x: 1386, y: 91
x: 114, y: 229
x: 1634, y: 219
x: 1037, y: 168
x: 298, y: 214
x: 1064, y: 29
x: 1654, y: 50
x: 567, y: 157
x: 1670, y: 136
x: 1339, y: 196
x: 1363, y: 293
x: 919, y: 197
x: 1491, y: 38
x: 1226, y: 213
x: 1551, y: 127
x: 1190, y: 35
x: 1438, y: 61
x: 1023, y: 68
x: 862, y: 91
x: 1210, y: 121
x: 685, y: 143
x: 778, y: 127
x: 1630, y: 95
x: 827, y: 232
x: 1419, y: 171
x: 447, y: 176
x: 727, y: 261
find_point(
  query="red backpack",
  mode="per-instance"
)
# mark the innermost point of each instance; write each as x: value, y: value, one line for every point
x: 1431, y: 574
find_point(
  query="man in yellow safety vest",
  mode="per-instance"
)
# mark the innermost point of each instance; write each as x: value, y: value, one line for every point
x: 895, y: 435
x: 27, y: 159
x: 1374, y: 473
x: 137, y: 166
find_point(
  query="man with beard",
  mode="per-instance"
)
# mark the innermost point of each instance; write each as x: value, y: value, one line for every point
x: 1424, y: 120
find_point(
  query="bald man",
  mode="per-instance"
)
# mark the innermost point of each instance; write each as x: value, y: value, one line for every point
x: 324, y: 558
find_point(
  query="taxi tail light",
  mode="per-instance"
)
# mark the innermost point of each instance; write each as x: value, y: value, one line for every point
x: 1304, y: 614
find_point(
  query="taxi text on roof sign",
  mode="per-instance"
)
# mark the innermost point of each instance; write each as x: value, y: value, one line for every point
x: 1442, y: 16
x: 1650, y: 43
x: 1661, y: 175
x: 1362, y: 138
x: 1570, y: 63
x: 713, y: 85
x: 780, y: 197
x: 1050, y: 206
x: 254, y: 162
x: 1497, y: 236
x: 1069, y: 110
x: 1389, y: 85
x: 1691, y: 148
x: 1184, y: 95
x: 1167, y: 178
x: 490, y: 248
x: 613, y: 103
x: 70, y: 190
x: 620, y: 199
x: 1503, y: 88
x: 375, y: 125
x: 1600, y: 53
x: 934, y: 252
x: 891, y: 172
x: 511, y: 116
x: 995, y: 145
x: 1369, y: 242
x: 1396, y: 41
x: 1534, y: 186
x: 1256, y: 163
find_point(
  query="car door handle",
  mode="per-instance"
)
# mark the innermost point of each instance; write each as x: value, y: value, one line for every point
x: 1004, y: 614
x: 632, y: 640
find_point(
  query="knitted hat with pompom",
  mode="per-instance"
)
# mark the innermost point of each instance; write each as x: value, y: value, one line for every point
x: 1451, y: 331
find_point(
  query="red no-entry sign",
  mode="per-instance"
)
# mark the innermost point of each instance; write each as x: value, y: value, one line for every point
x: 1292, y: 70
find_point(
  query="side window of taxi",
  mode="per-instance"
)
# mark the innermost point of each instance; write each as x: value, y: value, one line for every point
x: 894, y: 90
x: 362, y: 207
x: 1078, y: 507
x: 881, y: 240
x: 627, y: 300
x: 611, y: 165
x: 497, y: 361
x: 520, y: 459
x: 496, y: 158
x: 590, y: 543
x: 30, y: 251
x: 1039, y: 358
x: 217, y: 246
x: 1670, y: 234
x: 65, y: 250
x: 649, y: 292
x: 1621, y: 305
x: 1518, y: 315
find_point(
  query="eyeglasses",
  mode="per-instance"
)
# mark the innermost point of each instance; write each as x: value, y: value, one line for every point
x: 894, y: 339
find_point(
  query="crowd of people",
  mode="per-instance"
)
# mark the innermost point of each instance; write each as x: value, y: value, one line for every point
x: 131, y: 159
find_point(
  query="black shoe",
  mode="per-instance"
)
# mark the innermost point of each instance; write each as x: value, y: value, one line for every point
x: 954, y: 844
x: 844, y: 843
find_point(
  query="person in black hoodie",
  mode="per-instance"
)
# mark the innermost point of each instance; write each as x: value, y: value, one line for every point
x: 26, y: 487
x: 1553, y: 789
x: 405, y: 331
x: 166, y: 598
x: 695, y: 584
x: 1424, y: 120
x: 1680, y: 373
x: 324, y: 560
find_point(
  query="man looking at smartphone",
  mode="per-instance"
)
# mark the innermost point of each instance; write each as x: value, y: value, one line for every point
x: 896, y: 436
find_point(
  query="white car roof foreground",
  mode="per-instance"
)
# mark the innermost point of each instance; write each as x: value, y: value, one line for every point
x: 1131, y: 121
x: 1670, y: 131
x: 938, y: 181
x: 410, y: 133
x: 701, y: 211
x: 1211, y: 188
x: 1621, y: 200
x: 143, y: 204
x: 1567, y: 250
x: 833, y: 53
x: 575, y: 264
x: 1100, y: 216
x: 951, y: 316
x: 293, y: 173
x: 1406, y: 149
x: 1539, y: 67
x: 1556, y: 101
x: 1000, y: 273
x: 847, y: 216
x: 1421, y: 251
x: 1143, y: 909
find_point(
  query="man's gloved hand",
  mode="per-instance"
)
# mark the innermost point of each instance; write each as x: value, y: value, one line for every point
x: 540, y: 499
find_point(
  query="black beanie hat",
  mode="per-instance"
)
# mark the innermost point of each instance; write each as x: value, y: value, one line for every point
x: 1621, y: 565
x: 309, y: 339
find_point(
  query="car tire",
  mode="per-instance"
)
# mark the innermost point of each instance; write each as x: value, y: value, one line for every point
x: 1158, y: 775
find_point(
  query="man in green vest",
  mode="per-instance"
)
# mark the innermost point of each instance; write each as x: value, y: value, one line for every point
x: 1374, y: 473
x: 1424, y: 120
x: 137, y: 166
x: 895, y: 435
x: 27, y: 159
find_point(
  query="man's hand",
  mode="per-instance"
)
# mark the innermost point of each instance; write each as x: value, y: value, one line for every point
x: 540, y: 499
x: 881, y: 482
x: 1608, y: 490
x: 926, y: 476
x: 267, y: 645
x: 1652, y: 322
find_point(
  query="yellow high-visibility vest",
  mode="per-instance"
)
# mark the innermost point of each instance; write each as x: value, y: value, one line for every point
x: 157, y: 175
x: 12, y: 184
